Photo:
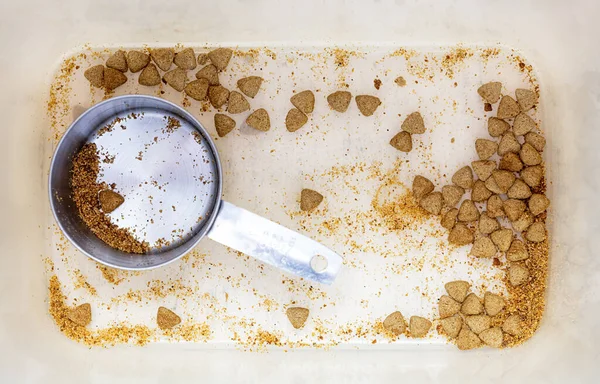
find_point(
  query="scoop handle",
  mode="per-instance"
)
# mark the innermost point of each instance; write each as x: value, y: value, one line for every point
x: 274, y: 244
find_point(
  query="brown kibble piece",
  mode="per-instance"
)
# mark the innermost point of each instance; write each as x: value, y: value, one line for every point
x: 528, y: 154
x: 294, y: 120
x: 259, y: 119
x: 166, y: 319
x: 223, y: 124
x: 81, y: 314
x: 452, y: 194
x: 449, y: 218
x: 494, y: 206
x: 395, y: 323
x: 467, y: 340
x: 458, y: 289
x: 504, y: 179
x: 304, y: 101
x: 508, y: 108
x: 538, y: 203
x: 493, y: 303
x: 478, y: 323
x: 523, y: 222
x: 514, y: 208
x: 448, y: 307
x: 432, y: 203
x: 95, y: 75
x: 202, y: 59
x: 512, y: 325
x: 480, y: 193
x: 197, y: 89
x: 117, y: 61
x: 517, y: 251
x: 517, y: 274
x: 237, y: 103
x: 452, y: 325
x: 310, y: 199
x: 400, y: 81
x: 502, y: 238
x: 297, y: 316
x: 176, y: 79
x: 468, y: 211
x: 491, y: 184
x: 419, y: 326
x: 460, y: 235
x: 483, y: 168
x: 523, y: 124
x: 136, y: 60
x: 472, y: 305
x: 487, y: 107
x: 463, y: 177
x: 508, y: 143
x: 511, y: 162
x: 421, y: 186
x: 149, y: 76
x: 532, y: 175
x: 536, y: 232
x: 519, y: 190
x: 163, y: 57
x: 492, y: 337
x: 113, y: 78
x: 487, y: 224
x: 413, y: 124
x: 497, y: 127
x: 367, y: 104
x: 339, y: 101
x: 537, y: 141
x: 490, y: 92
x: 218, y: 95
x: 485, y: 148
x: 402, y: 141
x: 526, y: 98
x: 209, y: 73
x: 185, y: 59
x: 250, y: 85
x: 109, y: 200
x: 483, y: 247
x: 220, y: 57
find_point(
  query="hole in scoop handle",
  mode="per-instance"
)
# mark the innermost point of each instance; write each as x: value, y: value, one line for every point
x: 273, y: 244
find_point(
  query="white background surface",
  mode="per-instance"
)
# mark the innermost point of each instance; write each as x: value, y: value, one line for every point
x: 559, y: 38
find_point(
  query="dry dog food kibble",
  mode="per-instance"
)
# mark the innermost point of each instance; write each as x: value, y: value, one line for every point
x: 310, y: 199
x: 402, y: 141
x: 340, y: 100
x: 523, y: 222
x: 514, y: 208
x: 109, y: 200
x: 483, y: 247
x: 400, y: 81
x: 508, y: 108
x: 218, y: 95
x: 519, y: 190
x: 176, y: 79
x: 220, y: 57
x: 517, y: 251
x: 149, y: 76
x: 492, y: 337
x: 197, y: 89
x: 432, y: 203
x: 468, y: 211
x: 80, y: 315
x: 502, y: 238
x: 483, y: 168
x: 237, y: 103
x: 508, y: 143
x: 472, y: 305
x: 413, y: 124
x: 532, y: 175
x: 478, y: 323
x: 250, y: 85
x: 463, y: 177
x: 523, y: 124
x: 295, y: 120
x: 487, y: 224
x: 467, y: 340
x: 304, y: 101
x: 493, y: 303
x: 485, y: 148
x: 449, y: 218
x: 511, y: 162
x: 460, y: 235
x: 538, y: 204
x: 95, y: 75
x: 367, y: 104
x: 497, y: 127
x: 395, y: 323
x: 448, y: 307
x: 537, y: 141
x: 452, y: 325
x: 452, y: 194
x: 529, y: 155
x: 480, y: 193
x: 536, y: 232
x: 512, y: 325
x: 495, y: 205
x: 504, y: 179
x: 163, y: 57
x: 166, y: 319
x: 185, y: 59
x: 113, y: 78
x: 517, y: 274
x: 458, y: 289
x: 223, y: 124
x: 297, y: 316
x: 259, y: 120
x: 136, y: 60
x: 419, y: 326
x: 421, y: 186
x: 117, y: 61
x: 209, y: 73
x: 490, y: 92
x: 526, y: 98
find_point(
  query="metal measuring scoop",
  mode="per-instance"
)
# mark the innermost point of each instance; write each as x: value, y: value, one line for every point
x: 171, y: 178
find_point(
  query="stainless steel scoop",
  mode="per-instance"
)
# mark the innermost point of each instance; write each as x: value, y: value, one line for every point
x: 166, y: 166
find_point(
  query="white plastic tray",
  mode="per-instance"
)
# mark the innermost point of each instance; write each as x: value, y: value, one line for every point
x: 564, y: 347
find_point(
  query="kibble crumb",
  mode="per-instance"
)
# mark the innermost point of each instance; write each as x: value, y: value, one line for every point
x: 400, y: 81
x: 202, y: 59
